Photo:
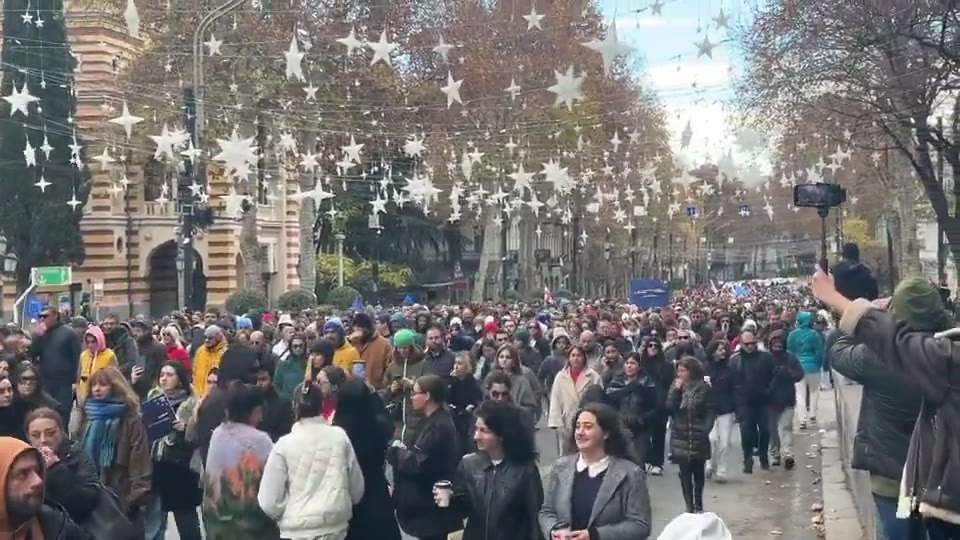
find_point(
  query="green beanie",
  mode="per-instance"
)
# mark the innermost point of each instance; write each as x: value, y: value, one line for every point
x: 521, y: 334
x: 919, y: 304
x: 404, y: 338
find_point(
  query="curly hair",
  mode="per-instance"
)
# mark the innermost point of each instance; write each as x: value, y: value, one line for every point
x: 608, y: 420
x: 506, y: 421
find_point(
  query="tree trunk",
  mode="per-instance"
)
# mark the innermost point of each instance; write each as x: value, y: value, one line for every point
x: 489, y: 256
x: 308, y: 218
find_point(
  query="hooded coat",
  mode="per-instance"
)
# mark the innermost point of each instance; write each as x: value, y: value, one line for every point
x: 205, y: 360
x: 90, y: 364
x: 806, y: 343
x: 120, y: 341
x: 398, y: 403
x: 51, y: 523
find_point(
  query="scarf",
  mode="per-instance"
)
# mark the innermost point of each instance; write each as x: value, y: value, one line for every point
x: 103, y: 428
x: 176, y: 397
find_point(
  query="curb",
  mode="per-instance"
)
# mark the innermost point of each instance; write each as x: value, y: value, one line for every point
x: 841, y: 518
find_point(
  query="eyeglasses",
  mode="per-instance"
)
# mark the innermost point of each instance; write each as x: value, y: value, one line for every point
x: 653, y: 346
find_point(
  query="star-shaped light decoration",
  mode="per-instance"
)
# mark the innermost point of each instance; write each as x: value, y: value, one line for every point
x: 558, y: 177
x: 656, y: 7
x: 513, y: 90
x: 768, y: 208
x: 311, y: 92
x: 213, y: 45
x: 414, y: 146
x: 721, y: 19
x: 567, y: 88
x: 165, y: 143
x: 443, y: 49
x: 522, y: 180
x: 73, y: 203
x: 452, y: 90
x: 294, y: 61
x: 609, y: 47
x: 510, y: 145
x: 192, y: 152
x: 233, y: 208
x: 466, y: 166
x: 20, y: 100
x: 352, y: 150
x: 288, y: 143
x: 132, y: 17
x: 309, y: 162
x: 382, y: 49
x: 237, y: 155
x: 705, y: 48
x: 318, y: 194
x: 351, y: 42
x: 126, y: 120
x: 421, y: 190
x: 534, y: 204
x: 30, y: 154
x: 534, y: 19
x: 615, y: 141
x: 42, y: 184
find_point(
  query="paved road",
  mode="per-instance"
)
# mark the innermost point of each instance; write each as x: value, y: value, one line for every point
x: 767, y: 504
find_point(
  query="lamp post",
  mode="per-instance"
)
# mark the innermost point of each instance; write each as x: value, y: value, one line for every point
x: 339, y: 237
x: 9, y: 261
x: 374, y: 224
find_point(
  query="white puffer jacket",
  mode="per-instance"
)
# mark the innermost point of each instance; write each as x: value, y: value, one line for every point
x: 311, y: 481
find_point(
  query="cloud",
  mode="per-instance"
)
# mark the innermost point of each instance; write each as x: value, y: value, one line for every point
x: 681, y: 76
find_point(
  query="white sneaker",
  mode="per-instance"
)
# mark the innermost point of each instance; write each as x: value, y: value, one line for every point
x: 656, y: 471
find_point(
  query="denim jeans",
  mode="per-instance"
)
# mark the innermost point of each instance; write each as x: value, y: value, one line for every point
x: 887, y: 521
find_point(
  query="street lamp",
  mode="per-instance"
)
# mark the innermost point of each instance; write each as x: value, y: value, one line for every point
x: 339, y: 237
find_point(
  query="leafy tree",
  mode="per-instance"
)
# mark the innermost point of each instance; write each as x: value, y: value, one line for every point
x: 41, y: 228
x: 296, y: 300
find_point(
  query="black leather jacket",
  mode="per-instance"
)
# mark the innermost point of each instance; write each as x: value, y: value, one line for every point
x: 499, y: 502
x: 722, y: 397
x: 888, y: 408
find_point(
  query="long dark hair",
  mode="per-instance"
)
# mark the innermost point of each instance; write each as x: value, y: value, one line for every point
x: 39, y: 398
x: 609, y: 421
x: 506, y: 421
x: 644, y: 351
x: 361, y: 413
x: 693, y: 367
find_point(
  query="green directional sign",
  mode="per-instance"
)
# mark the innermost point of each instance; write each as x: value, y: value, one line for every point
x: 52, y: 276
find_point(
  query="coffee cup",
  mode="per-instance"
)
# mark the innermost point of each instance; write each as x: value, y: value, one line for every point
x: 561, y: 531
x: 443, y: 490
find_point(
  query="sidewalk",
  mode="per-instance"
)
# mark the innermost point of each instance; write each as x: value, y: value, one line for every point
x: 843, y: 488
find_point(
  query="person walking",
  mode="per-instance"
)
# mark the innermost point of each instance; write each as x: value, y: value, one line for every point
x: 311, y: 480
x: 433, y: 457
x: 634, y: 395
x: 723, y: 404
x: 95, y: 356
x: 568, y: 390
x: 692, y: 420
x: 806, y: 344
x: 752, y: 375
x: 56, y: 351
x: 787, y: 372
x: 654, y: 364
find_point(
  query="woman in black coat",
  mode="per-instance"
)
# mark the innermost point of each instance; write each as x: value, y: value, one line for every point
x: 361, y: 413
x: 465, y: 396
x: 689, y: 404
x: 634, y: 395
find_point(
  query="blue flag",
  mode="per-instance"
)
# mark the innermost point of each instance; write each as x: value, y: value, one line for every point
x: 357, y: 305
x: 409, y: 299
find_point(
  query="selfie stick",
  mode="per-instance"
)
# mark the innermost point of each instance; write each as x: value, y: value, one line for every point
x: 823, y: 211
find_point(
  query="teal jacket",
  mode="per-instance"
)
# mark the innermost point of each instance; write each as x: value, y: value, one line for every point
x: 806, y: 343
x: 288, y: 375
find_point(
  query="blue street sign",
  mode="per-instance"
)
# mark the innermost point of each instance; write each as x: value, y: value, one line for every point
x: 691, y: 211
x: 32, y: 308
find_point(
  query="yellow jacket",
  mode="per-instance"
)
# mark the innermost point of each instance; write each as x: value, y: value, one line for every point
x: 204, y: 361
x: 90, y: 365
x: 343, y: 358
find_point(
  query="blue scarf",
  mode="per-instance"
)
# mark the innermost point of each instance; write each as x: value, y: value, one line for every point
x: 103, y: 429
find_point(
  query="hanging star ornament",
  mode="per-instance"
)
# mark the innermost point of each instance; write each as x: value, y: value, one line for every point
x: 132, y: 17
x: 30, y: 154
x: 513, y: 90
x: 294, y: 61
x: 213, y: 45
x: 609, y: 47
x: 237, y: 155
x: 73, y: 203
x: 452, y: 90
x: 126, y: 120
x: 382, y: 49
x: 534, y: 19
x: 721, y: 19
x: 20, y: 100
x: 443, y: 49
x: 705, y: 48
x: 522, y: 180
x: 42, y: 184
x: 105, y: 159
x: 656, y: 8
x: 350, y: 42
x: 352, y: 150
x: 414, y: 146
x: 568, y: 88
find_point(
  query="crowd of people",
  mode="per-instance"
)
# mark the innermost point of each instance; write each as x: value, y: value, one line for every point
x: 423, y: 419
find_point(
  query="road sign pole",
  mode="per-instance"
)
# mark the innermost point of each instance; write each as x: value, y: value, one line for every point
x: 18, y: 305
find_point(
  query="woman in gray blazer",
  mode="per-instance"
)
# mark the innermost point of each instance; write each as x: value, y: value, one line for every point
x: 598, y: 493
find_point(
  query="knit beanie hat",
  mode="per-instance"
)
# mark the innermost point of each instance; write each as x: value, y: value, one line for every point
x: 521, y: 334
x: 244, y: 323
x: 918, y: 303
x: 404, y: 338
x: 334, y: 324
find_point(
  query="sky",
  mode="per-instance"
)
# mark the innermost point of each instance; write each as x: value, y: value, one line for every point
x: 692, y: 89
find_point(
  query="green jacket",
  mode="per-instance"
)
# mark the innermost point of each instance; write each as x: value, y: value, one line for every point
x: 288, y: 375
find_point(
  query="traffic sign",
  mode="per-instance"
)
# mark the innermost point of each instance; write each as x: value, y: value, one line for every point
x: 52, y: 276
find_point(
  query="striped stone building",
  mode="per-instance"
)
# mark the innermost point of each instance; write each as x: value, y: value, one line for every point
x: 130, y: 241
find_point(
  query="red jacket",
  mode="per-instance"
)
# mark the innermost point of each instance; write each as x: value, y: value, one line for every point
x: 179, y: 354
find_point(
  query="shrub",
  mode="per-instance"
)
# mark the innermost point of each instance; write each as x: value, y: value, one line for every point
x: 244, y: 300
x: 513, y: 295
x: 342, y: 297
x: 563, y: 293
x: 296, y: 300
